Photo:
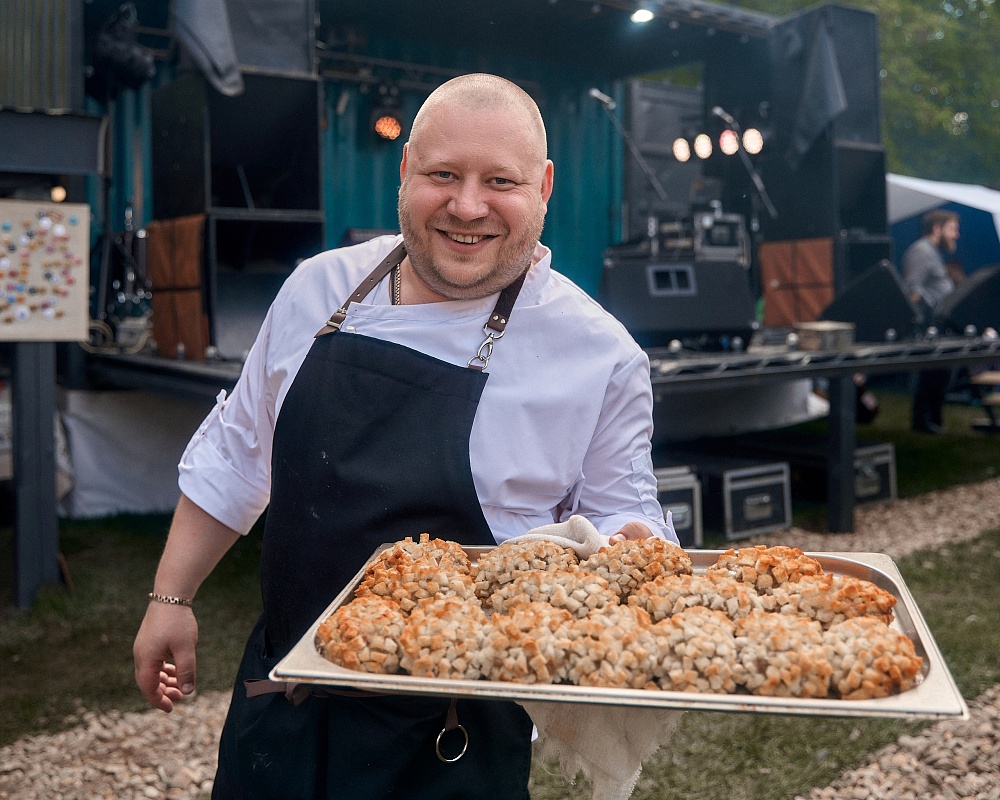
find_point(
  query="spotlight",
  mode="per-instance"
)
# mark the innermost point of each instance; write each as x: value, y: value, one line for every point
x: 753, y: 141
x: 682, y: 150
x: 702, y: 145
x: 641, y: 15
x: 386, y: 118
x: 387, y: 125
x: 57, y: 193
x: 729, y: 142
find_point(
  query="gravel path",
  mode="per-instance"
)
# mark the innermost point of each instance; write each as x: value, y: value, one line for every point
x: 154, y: 755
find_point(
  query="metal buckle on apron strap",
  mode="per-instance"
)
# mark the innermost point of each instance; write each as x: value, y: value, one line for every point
x: 296, y: 693
x: 497, y: 323
x: 481, y: 359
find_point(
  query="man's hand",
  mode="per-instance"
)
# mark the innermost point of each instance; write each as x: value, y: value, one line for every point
x: 165, y: 644
x: 164, y: 653
x: 629, y: 531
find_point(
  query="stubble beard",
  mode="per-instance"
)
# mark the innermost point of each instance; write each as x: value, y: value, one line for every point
x: 513, y: 259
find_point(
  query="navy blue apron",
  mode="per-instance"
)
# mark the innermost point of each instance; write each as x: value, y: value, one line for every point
x: 371, y: 445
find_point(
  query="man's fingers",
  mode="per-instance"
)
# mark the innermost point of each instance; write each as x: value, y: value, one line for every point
x: 164, y: 652
x: 631, y: 530
x: 185, y: 673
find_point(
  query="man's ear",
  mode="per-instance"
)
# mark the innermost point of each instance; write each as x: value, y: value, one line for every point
x: 547, y: 179
x: 402, y: 162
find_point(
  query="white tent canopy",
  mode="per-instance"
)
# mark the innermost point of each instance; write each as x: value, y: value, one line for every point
x: 907, y: 197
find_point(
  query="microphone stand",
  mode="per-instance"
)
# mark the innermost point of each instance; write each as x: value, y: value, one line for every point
x: 652, y: 224
x: 754, y: 175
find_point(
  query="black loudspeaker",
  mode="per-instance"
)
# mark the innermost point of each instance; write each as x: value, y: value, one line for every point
x: 875, y: 302
x: 976, y: 301
x: 662, y: 300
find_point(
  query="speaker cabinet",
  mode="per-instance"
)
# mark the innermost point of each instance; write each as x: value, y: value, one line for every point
x: 812, y: 50
x: 976, y: 301
x: 662, y: 300
x: 796, y: 279
x: 875, y: 302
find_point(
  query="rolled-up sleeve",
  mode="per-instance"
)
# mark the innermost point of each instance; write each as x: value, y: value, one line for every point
x: 226, y: 467
x: 618, y: 484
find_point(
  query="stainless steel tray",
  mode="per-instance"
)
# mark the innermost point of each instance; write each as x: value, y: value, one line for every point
x: 935, y: 697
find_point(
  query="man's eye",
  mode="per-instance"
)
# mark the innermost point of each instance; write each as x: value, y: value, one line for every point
x: 503, y: 182
x: 443, y: 174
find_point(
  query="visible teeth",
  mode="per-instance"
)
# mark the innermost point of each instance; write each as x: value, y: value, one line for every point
x: 464, y: 238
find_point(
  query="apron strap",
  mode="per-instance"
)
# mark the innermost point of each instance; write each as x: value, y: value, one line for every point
x: 494, y: 327
x: 385, y: 266
x: 295, y: 693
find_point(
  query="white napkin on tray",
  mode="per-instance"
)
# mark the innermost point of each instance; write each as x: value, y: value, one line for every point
x: 606, y: 743
x: 577, y: 533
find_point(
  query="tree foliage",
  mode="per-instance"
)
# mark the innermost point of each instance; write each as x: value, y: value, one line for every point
x: 940, y: 85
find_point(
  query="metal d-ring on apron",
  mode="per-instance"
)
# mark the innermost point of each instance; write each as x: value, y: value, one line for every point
x: 361, y: 415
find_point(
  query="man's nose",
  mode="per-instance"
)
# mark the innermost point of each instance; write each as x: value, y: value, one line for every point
x: 468, y: 201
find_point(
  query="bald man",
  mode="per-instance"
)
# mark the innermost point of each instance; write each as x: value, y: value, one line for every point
x: 445, y: 381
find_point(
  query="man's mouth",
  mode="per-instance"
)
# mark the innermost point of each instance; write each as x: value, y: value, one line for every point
x: 466, y: 238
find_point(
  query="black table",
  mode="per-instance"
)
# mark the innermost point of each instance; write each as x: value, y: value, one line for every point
x: 681, y: 372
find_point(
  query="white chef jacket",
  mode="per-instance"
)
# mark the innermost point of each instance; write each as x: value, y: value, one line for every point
x: 563, y: 426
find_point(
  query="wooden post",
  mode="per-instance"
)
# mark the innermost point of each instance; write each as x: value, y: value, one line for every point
x: 36, y: 528
x: 840, y: 477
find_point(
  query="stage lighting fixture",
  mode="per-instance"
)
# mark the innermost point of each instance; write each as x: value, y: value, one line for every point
x: 753, y: 141
x: 386, y: 117
x: 681, y: 149
x: 729, y: 142
x: 387, y: 125
x: 641, y: 15
x: 702, y: 145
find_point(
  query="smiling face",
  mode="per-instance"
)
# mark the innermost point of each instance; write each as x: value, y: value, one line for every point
x: 475, y: 184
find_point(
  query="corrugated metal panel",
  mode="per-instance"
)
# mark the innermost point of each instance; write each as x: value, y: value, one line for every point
x: 41, y: 51
x: 362, y: 175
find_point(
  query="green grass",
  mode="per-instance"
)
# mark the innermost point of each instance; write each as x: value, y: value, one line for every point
x: 961, y: 455
x: 73, y: 649
x: 926, y: 462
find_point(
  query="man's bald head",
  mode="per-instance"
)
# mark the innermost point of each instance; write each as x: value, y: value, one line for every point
x: 480, y: 91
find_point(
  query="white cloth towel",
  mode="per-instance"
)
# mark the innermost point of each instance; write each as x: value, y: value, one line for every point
x: 607, y: 743
x: 577, y: 532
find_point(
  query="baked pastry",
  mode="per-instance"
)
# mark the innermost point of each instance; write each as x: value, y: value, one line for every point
x: 528, y: 644
x: 698, y: 652
x: 870, y: 659
x: 576, y: 590
x: 671, y: 594
x: 833, y: 598
x: 763, y: 620
x: 363, y: 635
x: 410, y: 571
x: 444, y: 637
x: 764, y: 567
x: 783, y: 655
x: 629, y: 564
x: 499, y: 565
x: 613, y: 646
